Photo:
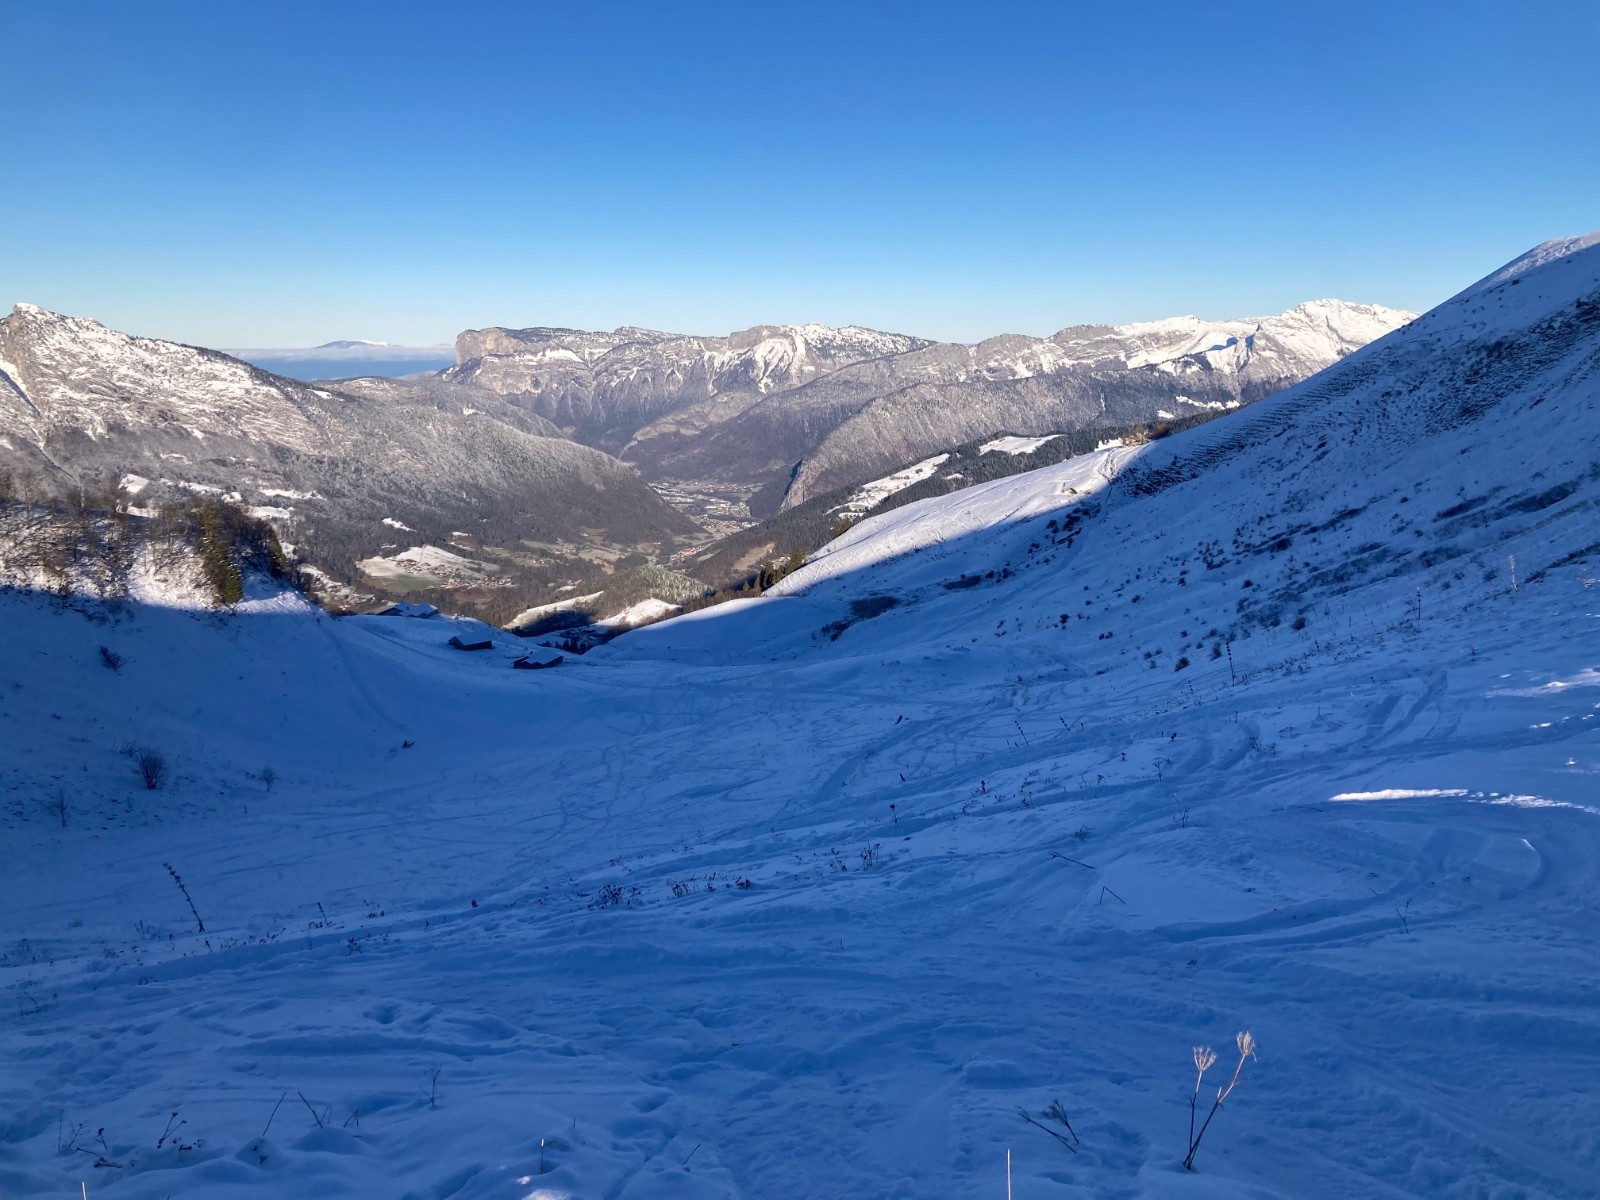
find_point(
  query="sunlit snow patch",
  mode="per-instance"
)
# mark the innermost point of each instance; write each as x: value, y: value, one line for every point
x: 946, y: 520
x: 1016, y: 445
x: 540, y: 611
x: 1514, y: 800
x: 642, y: 613
x: 424, y: 562
x: 1588, y: 677
x: 869, y: 495
x: 1402, y: 794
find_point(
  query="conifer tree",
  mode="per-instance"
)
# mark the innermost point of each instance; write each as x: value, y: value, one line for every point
x: 216, y: 554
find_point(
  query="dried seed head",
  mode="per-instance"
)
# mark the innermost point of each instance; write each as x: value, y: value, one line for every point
x: 1204, y: 1057
x: 1247, y: 1045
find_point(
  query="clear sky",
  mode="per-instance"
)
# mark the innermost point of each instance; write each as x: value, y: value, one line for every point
x: 260, y: 174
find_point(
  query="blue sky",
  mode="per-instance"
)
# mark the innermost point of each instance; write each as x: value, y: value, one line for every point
x: 285, y: 174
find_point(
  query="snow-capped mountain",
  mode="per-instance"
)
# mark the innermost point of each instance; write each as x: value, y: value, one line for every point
x: 969, y: 833
x: 83, y: 404
x: 1080, y: 377
x: 849, y: 404
x: 603, y: 387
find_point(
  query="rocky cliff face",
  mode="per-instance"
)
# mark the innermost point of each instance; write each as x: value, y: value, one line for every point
x: 797, y: 410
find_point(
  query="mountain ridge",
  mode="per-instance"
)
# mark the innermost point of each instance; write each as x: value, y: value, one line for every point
x: 88, y: 406
x: 771, y: 408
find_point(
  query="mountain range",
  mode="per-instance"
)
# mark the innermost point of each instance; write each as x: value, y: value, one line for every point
x: 787, y: 412
x: 525, y: 464
x: 348, y: 469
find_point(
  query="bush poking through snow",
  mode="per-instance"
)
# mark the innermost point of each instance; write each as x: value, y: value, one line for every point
x: 864, y: 608
x: 152, y: 768
x: 1057, y: 1114
x: 1204, y: 1058
x: 112, y: 660
x: 188, y: 899
x: 612, y: 895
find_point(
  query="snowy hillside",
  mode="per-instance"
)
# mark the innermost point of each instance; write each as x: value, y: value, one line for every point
x: 1009, y: 797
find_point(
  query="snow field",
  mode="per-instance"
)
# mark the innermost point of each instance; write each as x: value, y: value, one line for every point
x: 871, y: 1028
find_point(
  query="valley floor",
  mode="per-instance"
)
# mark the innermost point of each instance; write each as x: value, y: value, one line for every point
x: 677, y: 920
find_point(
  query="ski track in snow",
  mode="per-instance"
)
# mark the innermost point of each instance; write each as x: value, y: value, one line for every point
x: 994, y: 858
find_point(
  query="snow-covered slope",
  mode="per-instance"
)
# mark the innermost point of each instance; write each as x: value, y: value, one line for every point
x: 809, y: 895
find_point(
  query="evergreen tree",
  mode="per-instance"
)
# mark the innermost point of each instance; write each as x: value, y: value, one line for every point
x: 216, y: 554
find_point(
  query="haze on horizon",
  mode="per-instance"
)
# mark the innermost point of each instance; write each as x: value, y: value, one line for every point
x: 234, y: 177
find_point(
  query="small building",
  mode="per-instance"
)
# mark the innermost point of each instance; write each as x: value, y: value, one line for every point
x: 403, y: 608
x: 525, y: 663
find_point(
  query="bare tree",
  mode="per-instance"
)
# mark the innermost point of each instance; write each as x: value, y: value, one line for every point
x: 152, y: 768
